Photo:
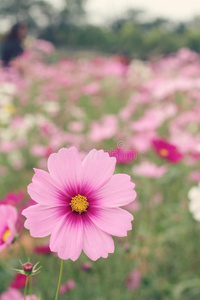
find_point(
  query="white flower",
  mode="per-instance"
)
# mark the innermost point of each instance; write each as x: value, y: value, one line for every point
x: 51, y: 107
x: 194, y: 205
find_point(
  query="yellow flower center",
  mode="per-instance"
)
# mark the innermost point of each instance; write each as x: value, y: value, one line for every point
x: 164, y: 152
x: 6, y: 235
x: 79, y: 204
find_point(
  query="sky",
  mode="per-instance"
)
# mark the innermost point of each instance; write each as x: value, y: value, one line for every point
x: 99, y: 10
x: 174, y: 9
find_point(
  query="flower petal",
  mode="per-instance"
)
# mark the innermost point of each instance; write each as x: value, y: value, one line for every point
x: 65, y: 168
x: 115, y: 221
x: 41, y: 219
x: 96, y: 243
x: 118, y: 191
x: 98, y: 167
x: 67, y: 237
x: 44, y: 191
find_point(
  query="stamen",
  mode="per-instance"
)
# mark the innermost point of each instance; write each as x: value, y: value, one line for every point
x: 164, y: 152
x: 6, y: 235
x: 79, y: 204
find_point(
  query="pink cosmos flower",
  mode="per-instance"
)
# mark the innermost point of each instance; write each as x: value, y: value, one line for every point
x: 15, y: 295
x: 13, y: 198
x: 167, y: 151
x: 195, y: 176
x: 86, y: 266
x: 8, y: 221
x: 150, y: 170
x: 11, y: 294
x: 78, y: 204
x: 123, y: 156
x: 68, y: 286
x: 42, y: 249
x: 133, y: 280
x: 19, y: 281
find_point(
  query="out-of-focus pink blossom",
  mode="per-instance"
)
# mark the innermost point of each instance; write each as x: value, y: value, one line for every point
x: 19, y: 281
x: 68, y: 286
x: 103, y: 130
x: 8, y: 221
x: 134, y: 206
x: 167, y: 151
x: 133, y: 280
x: 123, y: 156
x: 14, y: 294
x: 87, y: 266
x: 13, y: 198
x: 91, y: 89
x: 149, y: 169
x: 195, y: 176
x: 42, y: 249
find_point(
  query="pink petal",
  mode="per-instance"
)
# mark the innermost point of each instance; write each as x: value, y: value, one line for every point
x: 98, y: 167
x: 67, y: 237
x: 96, y: 243
x: 118, y: 191
x: 42, y: 219
x: 115, y: 221
x: 43, y: 190
x: 65, y: 168
x: 9, y: 212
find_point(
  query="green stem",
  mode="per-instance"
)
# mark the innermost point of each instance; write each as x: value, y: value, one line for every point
x: 30, y: 286
x: 59, y: 280
x: 25, y: 290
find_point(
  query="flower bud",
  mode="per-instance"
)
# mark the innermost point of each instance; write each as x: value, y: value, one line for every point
x: 28, y: 268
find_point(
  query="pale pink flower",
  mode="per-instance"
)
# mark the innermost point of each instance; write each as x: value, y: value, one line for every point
x: 91, y: 89
x: 133, y: 206
x: 8, y: 221
x: 78, y: 204
x: 133, y: 280
x: 14, y: 294
x: 195, y: 176
x: 68, y: 286
x: 76, y: 126
x: 149, y: 169
x: 103, y: 130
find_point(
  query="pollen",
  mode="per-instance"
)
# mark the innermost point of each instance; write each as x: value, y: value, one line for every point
x: 79, y: 204
x: 6, y: 235
x: 164, y: 152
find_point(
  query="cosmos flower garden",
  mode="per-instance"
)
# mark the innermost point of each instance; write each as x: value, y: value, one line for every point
x: 100, y: 173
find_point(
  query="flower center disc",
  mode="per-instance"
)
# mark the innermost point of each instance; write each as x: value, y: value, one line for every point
x: 79, y: 204
x: 6, y: 235
x: 164, y: 152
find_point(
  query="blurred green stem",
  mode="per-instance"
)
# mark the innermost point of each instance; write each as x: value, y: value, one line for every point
x: 30, y: 287
x: 59, y: 280
x: 25, y: 290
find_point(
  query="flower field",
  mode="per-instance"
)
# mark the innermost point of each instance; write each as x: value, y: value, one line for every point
x: 146, y: 115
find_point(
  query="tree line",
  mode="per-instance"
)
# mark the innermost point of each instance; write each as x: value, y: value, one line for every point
x: 133, y: 34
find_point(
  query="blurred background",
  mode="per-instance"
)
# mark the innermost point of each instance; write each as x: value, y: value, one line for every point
x: 141, y: 29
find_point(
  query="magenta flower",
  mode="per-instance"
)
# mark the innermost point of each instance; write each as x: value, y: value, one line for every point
x: 78, y: 204
x: 123, y: 156
x: 42, y: 249
x: 8, y: 221
x: 19, y: 281
x: 13, y: 198
x: 167, y: 151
